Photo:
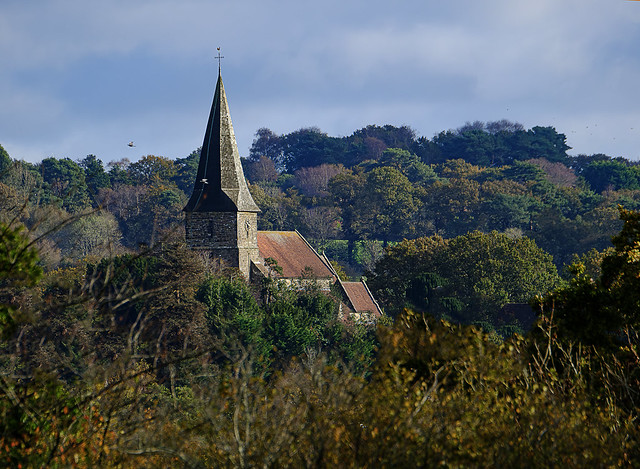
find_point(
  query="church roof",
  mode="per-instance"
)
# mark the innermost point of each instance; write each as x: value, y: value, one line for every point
x: 360, y: 298
x: 292, y: 253
x: 220, y: 184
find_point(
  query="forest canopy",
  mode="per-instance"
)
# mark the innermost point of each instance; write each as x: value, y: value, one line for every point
x: 143, y: 361
x: 506, y: 267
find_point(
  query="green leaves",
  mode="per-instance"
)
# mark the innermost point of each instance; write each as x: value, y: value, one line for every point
x: 290, y: 323
x: 18, y: 268
x: 467, y: 278
x: 596, y: 311
x: 18, y: 257
x: 65, y: 180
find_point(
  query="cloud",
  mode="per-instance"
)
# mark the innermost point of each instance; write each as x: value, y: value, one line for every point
x: 84, y: 74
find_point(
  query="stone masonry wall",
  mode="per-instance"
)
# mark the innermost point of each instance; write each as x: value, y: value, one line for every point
x: 228, y: 236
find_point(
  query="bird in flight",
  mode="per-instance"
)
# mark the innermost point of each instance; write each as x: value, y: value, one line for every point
x: 131, y: 144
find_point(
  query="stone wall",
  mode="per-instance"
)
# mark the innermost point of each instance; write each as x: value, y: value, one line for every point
x: 229, y: 236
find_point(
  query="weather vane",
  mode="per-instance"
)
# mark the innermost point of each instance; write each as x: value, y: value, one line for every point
x: 219, y: 57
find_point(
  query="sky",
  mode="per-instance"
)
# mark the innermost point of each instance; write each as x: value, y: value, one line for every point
x: 82, y: 77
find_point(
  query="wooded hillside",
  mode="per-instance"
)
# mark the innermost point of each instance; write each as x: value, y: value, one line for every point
x: 121, y: 347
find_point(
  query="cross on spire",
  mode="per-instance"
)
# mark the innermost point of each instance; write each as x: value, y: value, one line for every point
x: 219, y: 57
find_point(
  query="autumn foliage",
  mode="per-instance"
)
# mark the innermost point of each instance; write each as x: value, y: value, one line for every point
x: 154, y: 390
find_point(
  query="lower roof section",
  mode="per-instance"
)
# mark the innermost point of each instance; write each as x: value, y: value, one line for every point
x: 293, y: 254
x: 360, y: 298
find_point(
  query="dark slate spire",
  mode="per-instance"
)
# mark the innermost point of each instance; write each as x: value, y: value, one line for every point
x: 220, y: 185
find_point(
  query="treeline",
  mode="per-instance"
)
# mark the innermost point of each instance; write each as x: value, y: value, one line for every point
x: 485, y: 279
x: 146, y: 361
x: 384, y: 183
x: 515, y: 191
x: 481, y: 144
x: 123, y: 206
x: 474, y: 220
x: 347, y: 194
x: 120, y: 347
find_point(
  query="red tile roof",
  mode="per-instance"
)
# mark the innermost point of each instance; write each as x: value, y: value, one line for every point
x: 360, y: 297
x: 292, y: 252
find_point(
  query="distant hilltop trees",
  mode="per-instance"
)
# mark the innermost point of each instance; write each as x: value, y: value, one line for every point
x: 379, y: 184
x: 508, y: 272
x: 484, y: 144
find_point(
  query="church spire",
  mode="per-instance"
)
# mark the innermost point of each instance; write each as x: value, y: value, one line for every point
x: 220, y: 185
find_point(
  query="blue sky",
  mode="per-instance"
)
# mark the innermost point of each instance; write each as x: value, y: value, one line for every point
x: 83, y: 77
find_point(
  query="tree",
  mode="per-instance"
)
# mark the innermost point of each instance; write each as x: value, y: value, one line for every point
x: 557, y: 173
x: 611, y: 174
x: 96, y: 234
x: 378, y: 204
x: 581, y: 161
x: 393, y: 137
x: 496, y: 143
x: 26, y: 180
x: 503, y: 125
x: 118, y: 172
x: 451, y: 205
x: 262, y: 169
x: 320, y: 223
x: 558, y: 235
x: 523, y: 172
x: 547, y: 143
x: 314, y: 181
x: 503, y: 211
x: 474, y: 144
x: 186, y: 171
x: 159, y: 216
x: 408, y: 164
x: 489, y: 270
x: 145, y: 214
x: 467, y: 279
x: 295, y: 323
x: 65, y: 180
x: 621, y: 270
x: 373, y: 147
x: 5, y: 161
x: 310, y: 147
x: 124, y: 201
x: 346, y: 188
x: 94, y: 174
x: 458, y: 169
x: 387, y: 205
x: 268, y: 144
x: 152, y: 169
x: 279, y: 210
x: 506, y: 204
x: 605, y: 310
x: 18, y: 267
x: 11, y: 204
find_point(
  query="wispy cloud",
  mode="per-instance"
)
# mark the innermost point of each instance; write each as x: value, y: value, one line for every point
x: 84, y: 77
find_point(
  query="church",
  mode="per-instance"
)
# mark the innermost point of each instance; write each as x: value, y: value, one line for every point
x: 221, y: 219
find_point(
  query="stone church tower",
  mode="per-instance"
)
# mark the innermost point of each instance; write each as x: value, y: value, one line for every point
x: 221, y: 216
